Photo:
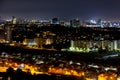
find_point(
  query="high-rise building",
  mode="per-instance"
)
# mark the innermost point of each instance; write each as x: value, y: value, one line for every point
x: 2, y: 21
x: 62, y: 23
x: 99, y: 22
x: 14, y: 20
x: 75, y: 23
x: 8, y: 33
x: 55, y: 21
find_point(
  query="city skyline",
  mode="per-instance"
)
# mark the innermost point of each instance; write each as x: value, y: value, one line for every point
x: 68, y: 9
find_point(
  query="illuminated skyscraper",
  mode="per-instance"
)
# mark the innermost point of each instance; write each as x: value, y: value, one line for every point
x: 14, y: 20
x: 8, y: 33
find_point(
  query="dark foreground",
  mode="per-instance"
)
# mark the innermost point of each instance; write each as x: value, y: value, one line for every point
x: 19, y: 75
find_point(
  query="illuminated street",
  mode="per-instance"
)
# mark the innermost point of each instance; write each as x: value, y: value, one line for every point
x: 68, y: 68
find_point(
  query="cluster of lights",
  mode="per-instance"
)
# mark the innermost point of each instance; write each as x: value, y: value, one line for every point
x: 76, y: 49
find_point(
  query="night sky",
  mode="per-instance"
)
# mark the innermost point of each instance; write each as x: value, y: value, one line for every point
x: 64, y: 9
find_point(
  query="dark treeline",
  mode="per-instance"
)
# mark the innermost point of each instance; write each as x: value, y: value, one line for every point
x: 20, y: 75
x: 82, y: 33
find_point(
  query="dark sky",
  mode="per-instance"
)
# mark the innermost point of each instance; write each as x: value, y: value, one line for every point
x: 64, y: 9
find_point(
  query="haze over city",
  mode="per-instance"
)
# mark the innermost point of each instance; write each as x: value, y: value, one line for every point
x: 65, y: 9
